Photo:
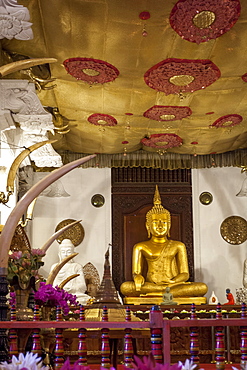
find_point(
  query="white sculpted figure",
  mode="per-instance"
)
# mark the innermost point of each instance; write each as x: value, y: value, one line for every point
x: 76, y: 285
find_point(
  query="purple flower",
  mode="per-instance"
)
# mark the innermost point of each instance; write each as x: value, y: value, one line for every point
x: 148, y: 363
x: 12, y: 299
x: 47, y: 295
x: 75, y: 366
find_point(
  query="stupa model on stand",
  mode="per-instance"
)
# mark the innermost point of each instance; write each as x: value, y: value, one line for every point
x: 108, y: 296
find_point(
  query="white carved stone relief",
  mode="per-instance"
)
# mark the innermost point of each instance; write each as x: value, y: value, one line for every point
x: 14, y: 21
x: 6, y: 120
x: 21, y: 105
x: 21, y: 97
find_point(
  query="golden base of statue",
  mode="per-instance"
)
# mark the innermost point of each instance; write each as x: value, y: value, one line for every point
x: 158, y: 300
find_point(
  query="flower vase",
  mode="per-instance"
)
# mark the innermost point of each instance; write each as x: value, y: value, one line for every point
x: 22, y: 291
x: 46, y: 312
x: 23, y: 313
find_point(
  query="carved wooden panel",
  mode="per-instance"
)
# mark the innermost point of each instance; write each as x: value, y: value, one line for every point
x: 131, y: 199
x: 20, y: 241
x: 150, y: 175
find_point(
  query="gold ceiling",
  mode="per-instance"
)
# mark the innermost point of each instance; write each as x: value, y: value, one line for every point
x: 157, y: 91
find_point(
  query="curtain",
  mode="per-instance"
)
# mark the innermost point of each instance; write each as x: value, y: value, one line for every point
x: 168, y: 161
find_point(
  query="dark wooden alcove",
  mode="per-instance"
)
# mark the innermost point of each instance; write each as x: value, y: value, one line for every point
x: 132, y: 196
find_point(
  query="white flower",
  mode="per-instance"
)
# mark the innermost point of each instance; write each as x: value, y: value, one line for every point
x: 242, y: 367
x: 29, y: 361
x: 188, y: 365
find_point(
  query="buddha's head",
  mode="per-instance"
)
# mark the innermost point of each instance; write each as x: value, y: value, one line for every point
x: 158, y: 219
x: 66, y: 248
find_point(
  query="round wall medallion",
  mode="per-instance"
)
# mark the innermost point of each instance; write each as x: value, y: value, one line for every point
x: 75, y: 233
x: 234, y: 230
x: 206, y: 198
x: 98, y: 200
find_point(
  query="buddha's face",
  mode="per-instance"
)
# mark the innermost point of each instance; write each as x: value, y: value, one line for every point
x: 159, y: 225
x: 65, y: 250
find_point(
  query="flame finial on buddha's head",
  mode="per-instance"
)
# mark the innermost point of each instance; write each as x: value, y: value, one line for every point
x: 157, y: 208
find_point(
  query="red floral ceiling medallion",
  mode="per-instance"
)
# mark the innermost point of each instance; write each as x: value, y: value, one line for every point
x: 92, y: 71
x: 162, y: 141
x: 244, y: 77
x: 99, y: 119
x: 202, y: 20
x: 167, y: 113
x: 229, y: 120
x: 173, y: 76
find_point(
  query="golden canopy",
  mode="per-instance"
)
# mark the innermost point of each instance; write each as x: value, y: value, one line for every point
x: 147, y: 76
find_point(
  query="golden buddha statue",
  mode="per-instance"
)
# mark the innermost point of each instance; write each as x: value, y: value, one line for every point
x: 167, y: 264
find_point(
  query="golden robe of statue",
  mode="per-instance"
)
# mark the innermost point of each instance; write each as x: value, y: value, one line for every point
x: 166, y: 259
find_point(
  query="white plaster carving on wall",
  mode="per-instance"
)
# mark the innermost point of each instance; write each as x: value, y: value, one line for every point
x: 25, y: 109
x: 20, y: 97
x: 6, y: 120
x: 35, y: 129
x: 14, y: 21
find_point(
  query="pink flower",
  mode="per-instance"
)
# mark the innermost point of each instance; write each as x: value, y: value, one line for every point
x: 148, y: 363
x: 75, y: 366
x: 16, y: 255
x: 38, y: 252
x: 24, y: 264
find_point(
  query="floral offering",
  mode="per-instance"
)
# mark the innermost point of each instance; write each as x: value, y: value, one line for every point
x: 29, y: 361
x: 47, y: 295
x: 25, y: 265
x: 146, y: 363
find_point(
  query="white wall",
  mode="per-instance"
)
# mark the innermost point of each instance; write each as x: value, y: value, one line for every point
x: 218, y: 263
x: 81, y: 184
